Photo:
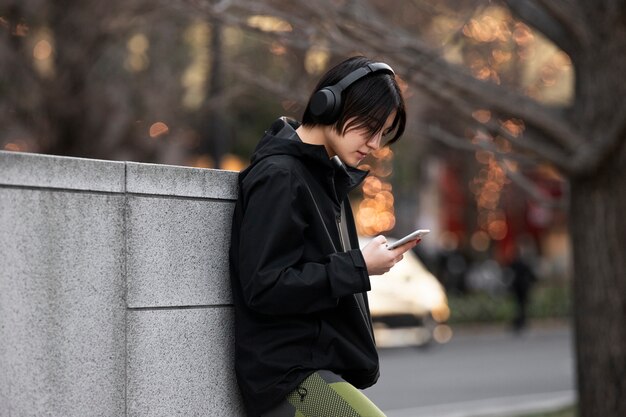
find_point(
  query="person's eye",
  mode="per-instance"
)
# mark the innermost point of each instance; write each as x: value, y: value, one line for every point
x: 387, y: 135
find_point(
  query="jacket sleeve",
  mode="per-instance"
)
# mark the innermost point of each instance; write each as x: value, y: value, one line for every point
x: 274, y: 279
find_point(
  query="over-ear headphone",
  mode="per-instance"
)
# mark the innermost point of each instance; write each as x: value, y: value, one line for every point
x: 326, y: 103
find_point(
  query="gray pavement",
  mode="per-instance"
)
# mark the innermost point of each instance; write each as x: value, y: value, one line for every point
x: 479, y: 373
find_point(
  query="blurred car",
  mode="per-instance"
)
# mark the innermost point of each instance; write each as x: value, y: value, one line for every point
x: 408, y: 304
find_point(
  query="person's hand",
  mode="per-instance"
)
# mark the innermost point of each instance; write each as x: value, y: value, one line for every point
x: 379, y: 259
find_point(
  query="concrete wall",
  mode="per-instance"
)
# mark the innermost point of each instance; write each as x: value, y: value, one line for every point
x: 114, y: 291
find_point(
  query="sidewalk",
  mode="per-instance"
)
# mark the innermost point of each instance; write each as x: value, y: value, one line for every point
x: 473, y: 348
x: 495, y: 407
x: 461, y: 330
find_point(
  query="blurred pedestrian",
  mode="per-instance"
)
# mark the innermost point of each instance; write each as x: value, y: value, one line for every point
x: 522, y: 278
x: 303, y: 331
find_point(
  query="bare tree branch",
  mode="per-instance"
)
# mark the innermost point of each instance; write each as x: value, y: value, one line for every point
x: 525, y: 143
x: 535, y: 192
x: 504, y: 101
x: 567, y: 13
x: 551, y: 20
x: 456, y: 142
x: 276, y: 88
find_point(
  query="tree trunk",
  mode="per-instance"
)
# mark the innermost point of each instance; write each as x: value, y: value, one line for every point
x: 215, y: 141
x: 598, y: 230
x: 598, y: 220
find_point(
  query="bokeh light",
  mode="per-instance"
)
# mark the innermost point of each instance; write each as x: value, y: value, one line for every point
x: 158, y: 129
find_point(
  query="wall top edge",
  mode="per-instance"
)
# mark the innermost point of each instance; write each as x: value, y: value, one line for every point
x: 51, y: 171
x: 180, y: 181
x: 21, y: 169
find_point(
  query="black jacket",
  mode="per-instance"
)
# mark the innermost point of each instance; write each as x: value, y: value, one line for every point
x: 296, y: 293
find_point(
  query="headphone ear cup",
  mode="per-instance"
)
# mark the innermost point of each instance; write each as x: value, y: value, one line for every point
x: 325, y: 105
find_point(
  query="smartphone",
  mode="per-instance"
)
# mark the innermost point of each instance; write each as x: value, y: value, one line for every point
x: 411, y: 236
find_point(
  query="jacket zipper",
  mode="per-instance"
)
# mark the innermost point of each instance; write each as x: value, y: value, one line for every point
x: 338, y: 218
x: 358, y: 304
x: 343, y: 243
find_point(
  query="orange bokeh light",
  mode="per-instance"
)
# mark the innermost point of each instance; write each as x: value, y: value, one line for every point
x: 158, y: 129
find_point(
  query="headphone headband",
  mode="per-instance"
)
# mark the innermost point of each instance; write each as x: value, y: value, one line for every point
x: 326, y: 103
x: 359, y: 73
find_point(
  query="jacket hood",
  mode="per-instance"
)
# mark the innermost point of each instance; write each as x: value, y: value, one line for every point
x: 281, y: 139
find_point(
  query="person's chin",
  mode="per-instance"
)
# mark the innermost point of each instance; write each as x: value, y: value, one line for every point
x: 356, y: 160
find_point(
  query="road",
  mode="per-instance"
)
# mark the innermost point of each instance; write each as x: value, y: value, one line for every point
x: 478, y: 373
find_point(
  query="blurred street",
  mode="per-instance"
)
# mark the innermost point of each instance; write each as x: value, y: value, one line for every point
x: 478, y: 373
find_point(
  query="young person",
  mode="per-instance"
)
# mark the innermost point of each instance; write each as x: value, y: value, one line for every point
x: 303, y: 335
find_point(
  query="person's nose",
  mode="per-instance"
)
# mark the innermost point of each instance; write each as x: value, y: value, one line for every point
x: 374, y: 141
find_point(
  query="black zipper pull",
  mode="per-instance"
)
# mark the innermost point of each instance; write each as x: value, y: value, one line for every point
x: 302, y: 392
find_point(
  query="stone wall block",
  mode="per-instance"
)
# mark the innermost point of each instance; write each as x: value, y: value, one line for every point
x: 62, y: 307
x: 180, y: 363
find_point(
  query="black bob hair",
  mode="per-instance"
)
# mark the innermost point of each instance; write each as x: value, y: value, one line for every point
x: 367, y: 103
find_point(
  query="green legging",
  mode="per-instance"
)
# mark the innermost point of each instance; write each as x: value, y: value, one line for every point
x: 325, y: 394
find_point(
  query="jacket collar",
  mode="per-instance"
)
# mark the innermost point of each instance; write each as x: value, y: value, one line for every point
x: 347, y: 178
